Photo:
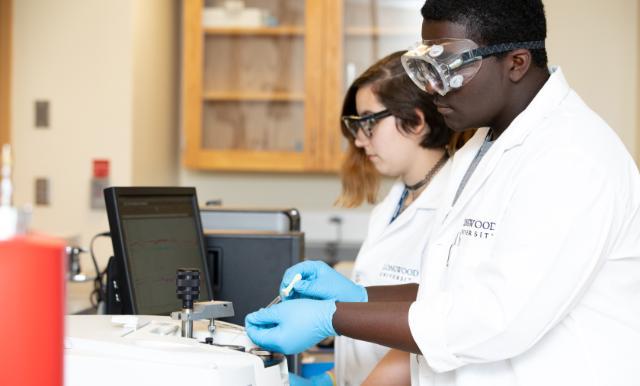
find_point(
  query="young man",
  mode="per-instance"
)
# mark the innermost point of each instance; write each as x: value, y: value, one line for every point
x: 532, y: 274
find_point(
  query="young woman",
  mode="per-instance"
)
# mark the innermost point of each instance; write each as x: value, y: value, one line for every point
x: 393, y: 130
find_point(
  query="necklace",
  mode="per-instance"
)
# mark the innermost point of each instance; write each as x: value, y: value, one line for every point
x: 429, y: 175
x: 415, y: 187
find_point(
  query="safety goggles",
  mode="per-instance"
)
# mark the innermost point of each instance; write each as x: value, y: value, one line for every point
x: 366, y: 123
x: 448, y: 64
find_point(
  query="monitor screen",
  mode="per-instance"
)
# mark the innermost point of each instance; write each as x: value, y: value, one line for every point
x: 156, y: 231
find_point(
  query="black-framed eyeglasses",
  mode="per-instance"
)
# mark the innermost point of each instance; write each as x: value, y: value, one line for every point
x: 366, y: 123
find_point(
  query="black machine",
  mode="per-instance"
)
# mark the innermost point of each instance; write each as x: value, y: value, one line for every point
x: 154, y: 232
x: 247, y: 252
x: 245, y: 267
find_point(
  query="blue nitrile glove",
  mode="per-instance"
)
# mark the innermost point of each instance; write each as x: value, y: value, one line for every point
x: 293, y: 326
x: 320, y: 281
x: 323, y: 379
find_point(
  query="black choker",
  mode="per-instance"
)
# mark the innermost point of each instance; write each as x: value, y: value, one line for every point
x: 429, y: 175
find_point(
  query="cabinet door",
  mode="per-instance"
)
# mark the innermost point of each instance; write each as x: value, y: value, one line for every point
x: 364, y: 31
x: 250, y: 86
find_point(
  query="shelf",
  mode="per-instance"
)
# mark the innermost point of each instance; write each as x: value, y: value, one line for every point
x: 246, y: 160
x: 377, y: 31
x: 254, y: 97
x: 255, y: 31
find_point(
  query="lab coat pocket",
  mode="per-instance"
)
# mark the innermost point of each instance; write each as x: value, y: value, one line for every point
x: 463, y: 259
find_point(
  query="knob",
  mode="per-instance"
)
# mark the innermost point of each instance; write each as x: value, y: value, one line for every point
x: 187, y: 286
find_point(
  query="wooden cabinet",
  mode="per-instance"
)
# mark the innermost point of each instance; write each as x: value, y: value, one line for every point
x: 268, y: 97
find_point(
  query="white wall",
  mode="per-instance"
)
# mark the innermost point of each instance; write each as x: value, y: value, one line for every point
x: 109, y: 70
x: 597, y: 44
x: 155, y: 92
x: 77, y: 54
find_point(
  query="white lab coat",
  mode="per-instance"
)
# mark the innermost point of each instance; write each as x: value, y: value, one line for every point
x: 390, y: 255
x: 533, y: 276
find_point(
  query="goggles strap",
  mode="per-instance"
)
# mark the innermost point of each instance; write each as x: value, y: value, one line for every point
x: 483, y: 52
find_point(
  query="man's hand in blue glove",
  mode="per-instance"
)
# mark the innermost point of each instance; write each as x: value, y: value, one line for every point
x: 293, y: 326
x: 323, y: 379
x: 319, y: 281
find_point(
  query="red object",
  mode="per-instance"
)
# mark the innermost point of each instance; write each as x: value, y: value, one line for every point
x: 32, y: 303
x: 100, y: 168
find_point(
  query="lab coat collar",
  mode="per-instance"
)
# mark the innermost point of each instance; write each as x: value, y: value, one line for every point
x: 461, y: 161
x: 543, y: 104
x: 459, y: 165
x: 382, y: 213
x: 430, y: 199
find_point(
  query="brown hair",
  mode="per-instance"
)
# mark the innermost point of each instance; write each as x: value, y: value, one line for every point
x: 395, y: 90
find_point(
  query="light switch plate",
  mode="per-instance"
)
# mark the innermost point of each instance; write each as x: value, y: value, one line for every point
x: 42, y: 114
x: 42, y: 192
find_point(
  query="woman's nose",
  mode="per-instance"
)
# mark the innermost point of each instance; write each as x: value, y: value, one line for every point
x: 360, y: 139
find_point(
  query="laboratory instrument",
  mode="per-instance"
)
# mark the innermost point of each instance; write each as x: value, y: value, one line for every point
x: 190, y: 347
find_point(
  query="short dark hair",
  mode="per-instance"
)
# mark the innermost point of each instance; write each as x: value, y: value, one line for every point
x: 395, y: 90
x: 490, y: 22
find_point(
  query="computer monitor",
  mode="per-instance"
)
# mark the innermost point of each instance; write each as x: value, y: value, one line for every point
x: 154, y: 232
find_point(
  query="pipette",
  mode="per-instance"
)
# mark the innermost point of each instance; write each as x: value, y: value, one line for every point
x: 285, y: 292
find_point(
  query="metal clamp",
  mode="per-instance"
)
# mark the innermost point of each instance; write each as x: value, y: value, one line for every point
x: 203, y: 310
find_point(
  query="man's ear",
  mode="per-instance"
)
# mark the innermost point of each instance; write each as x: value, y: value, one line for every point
x: 519, y: 62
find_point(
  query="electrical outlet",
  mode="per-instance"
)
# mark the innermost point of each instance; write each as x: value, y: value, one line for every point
x: 42, y: 114
x: 42, y: 192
